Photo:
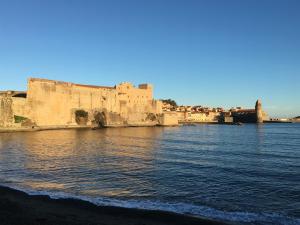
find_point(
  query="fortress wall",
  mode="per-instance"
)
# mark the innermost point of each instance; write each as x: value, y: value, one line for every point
x: 181, y: 116
x: 144, y: 112
x: 53, y: 103
x: 134, y: 96
x: 49, y: 103
x: 136, y: 104
x: 168, y: 119
x: 6, y: 112
x: 19, y: 107
x: 91, y: 98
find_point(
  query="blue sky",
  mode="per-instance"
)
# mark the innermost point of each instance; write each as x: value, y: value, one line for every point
x: 213, y: 52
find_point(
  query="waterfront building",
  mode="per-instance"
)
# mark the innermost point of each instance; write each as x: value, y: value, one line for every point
x: 49, y: 103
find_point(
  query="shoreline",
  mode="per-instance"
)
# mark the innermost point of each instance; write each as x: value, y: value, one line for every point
x: 29, y: 129
x: 18, y: 207
x: 181, y: 123
x: 43, y: 128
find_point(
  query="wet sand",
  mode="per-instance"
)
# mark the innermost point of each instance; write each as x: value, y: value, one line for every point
x: 19, y: 208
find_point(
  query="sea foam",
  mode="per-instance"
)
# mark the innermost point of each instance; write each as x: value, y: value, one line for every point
x: 180, y: 208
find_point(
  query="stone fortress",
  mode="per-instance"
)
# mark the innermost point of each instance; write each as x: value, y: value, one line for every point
x: 49, y: 103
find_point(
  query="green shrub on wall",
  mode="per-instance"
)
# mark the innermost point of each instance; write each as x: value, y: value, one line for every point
x: 151, y: 116
x: 19, y: 119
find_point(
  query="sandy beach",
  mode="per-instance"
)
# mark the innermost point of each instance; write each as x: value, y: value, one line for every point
x: 19, y: 208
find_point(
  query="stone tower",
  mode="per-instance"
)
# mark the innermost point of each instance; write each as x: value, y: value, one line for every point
x: 259, y: 113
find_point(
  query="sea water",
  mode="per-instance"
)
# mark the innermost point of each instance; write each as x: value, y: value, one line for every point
x: 246, y: 174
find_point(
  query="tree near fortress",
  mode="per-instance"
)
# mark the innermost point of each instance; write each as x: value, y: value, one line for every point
x: 169, y: 101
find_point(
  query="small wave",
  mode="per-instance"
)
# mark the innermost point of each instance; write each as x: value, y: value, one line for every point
x: 181, y: 208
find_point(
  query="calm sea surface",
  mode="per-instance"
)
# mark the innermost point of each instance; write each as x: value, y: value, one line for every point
x: 247, y: 174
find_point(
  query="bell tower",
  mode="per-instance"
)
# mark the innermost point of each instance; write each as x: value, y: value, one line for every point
x: 259, y: 114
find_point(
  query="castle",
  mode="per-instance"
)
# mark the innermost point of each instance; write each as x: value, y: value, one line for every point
x: 49, y: 103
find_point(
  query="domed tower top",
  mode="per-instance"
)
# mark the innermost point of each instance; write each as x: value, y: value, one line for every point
x: 258, y: 104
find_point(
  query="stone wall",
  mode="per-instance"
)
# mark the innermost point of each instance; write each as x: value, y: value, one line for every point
x: 49, y: 103
x: 54, y: 103
x: 19, y: 107
x: 6, y: 112
x: 168, y: 119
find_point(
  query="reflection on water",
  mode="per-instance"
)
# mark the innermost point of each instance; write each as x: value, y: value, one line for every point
x: 246, y: 168
x: 69, y: 156
x: 44, y: 185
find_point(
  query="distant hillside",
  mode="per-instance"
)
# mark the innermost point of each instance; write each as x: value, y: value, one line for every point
x: 298, y: 117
